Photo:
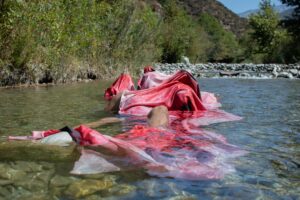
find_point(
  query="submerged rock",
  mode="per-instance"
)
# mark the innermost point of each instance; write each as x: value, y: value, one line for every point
x: 4, y: 192
x: 83, y: 188
x: 60, y: 181
x: 5, y: 182
x: 6, y: 172
x: 35, y: 196
x: 122, y: 189
x: 27, y: 166
x: 27, y: 150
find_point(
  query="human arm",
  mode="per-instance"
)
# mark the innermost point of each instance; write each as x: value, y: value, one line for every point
x: 103, y: 121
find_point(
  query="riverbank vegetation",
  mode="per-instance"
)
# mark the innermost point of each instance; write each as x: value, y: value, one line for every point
x: 44, y: 41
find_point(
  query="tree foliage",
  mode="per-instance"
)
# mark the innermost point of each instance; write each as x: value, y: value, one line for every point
x: 56, y: 40
x: 224, y: 44
x: 269, y: 38
x: 293, y: 26
x: 61, y: 37
x: 178, y: 33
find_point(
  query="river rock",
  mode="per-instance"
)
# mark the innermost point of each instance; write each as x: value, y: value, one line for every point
x: 58, y: 184
x: 36, y: 181
x: 60, y: 181
x: 245, y: 75
x: 6, y: 172
x: 222, y: 73
x: 84, y: 188
x: 4, y: 192
x: 27, y: 150
x: 285, y: 75
x: 5, y: 182
x: 28, y: 166
x: 294, y: 72
x: 121, y: 190
x: 183, y: 197
x: 207, y: 70
x: 35, y: 196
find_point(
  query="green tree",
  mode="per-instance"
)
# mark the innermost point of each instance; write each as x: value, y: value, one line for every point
x: 225, y: 47
x: 293, y: 26
x: 268, y: 37
x: 176, y: 32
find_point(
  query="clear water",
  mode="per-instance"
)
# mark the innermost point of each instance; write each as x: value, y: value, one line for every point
x: 269, y: 131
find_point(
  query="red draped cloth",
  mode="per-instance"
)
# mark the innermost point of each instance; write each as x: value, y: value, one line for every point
x: 123, y: 82
x: 153, y: 79
x: 174, y: 95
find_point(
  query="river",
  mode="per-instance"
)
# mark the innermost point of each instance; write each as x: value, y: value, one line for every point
x: 269, y: 131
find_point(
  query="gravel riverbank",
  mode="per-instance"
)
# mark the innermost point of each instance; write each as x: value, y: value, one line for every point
x: 216, y: 70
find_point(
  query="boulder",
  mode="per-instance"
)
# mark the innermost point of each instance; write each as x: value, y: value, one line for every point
x: 294, y: 72
x: 285, y: 75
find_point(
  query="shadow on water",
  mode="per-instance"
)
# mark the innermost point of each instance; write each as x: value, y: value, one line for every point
x: 269, y: 131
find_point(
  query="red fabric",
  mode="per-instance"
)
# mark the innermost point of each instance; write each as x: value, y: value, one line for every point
x: 123, y: 82
x: 154, y: 79
x: 50, y: 132
x: 174, y: 95
x: 90, y: 136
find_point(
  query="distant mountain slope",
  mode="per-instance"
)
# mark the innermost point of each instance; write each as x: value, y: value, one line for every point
x: 228, y: 19
x: 283, y: 10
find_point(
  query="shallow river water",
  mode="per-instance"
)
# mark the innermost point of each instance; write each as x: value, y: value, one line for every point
x: 269, y: 131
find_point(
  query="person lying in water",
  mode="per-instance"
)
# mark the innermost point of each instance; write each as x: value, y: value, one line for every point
x: 162, y: 150
x: 157, y: 117
x: 178, y: 92
x: 175, y: 96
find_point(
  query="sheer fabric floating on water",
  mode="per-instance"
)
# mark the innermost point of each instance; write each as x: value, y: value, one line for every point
x: 195, y: 154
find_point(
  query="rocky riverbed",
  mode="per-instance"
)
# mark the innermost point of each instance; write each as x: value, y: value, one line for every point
x: 216, y: 70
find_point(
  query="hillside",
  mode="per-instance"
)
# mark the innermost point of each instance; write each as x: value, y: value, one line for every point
x: 228, y: 19
x: 195, y: 8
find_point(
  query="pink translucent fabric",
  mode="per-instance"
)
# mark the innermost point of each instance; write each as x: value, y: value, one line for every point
x: 195, y: 154
x: 152, y: 79
x: 123, y: 82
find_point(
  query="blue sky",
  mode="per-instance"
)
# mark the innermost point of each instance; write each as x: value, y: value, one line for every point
x: 239, y: 6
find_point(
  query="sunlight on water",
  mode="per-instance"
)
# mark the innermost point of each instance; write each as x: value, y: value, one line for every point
x: 269, y: 131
